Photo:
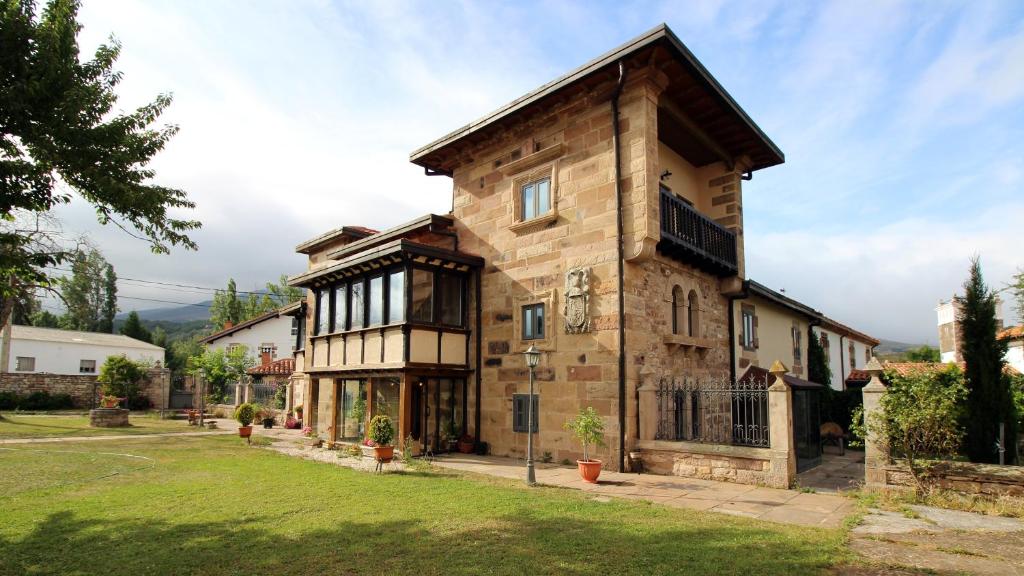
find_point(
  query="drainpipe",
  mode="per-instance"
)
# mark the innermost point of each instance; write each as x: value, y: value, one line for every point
x: 621, y: 265
x: 842, y: 363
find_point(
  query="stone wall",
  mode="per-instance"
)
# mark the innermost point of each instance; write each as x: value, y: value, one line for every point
x: 965, y: 477
x: 738, y: 464
x: 84, y: 389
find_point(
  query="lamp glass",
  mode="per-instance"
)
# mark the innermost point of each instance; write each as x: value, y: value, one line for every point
x: 532, y: 356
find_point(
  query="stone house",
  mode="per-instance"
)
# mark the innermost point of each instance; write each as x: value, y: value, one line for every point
x: 598, y: 218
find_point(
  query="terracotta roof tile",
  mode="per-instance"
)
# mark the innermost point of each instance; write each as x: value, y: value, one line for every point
x: 282, y: 366
x: 908, y: 368
x: 1012, y: 333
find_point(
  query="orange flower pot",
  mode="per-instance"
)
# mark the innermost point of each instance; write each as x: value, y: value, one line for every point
x: 244, y: 431
x: 384, y: 454
x: 589, y: 470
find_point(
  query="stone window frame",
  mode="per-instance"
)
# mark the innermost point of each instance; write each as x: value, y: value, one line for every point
x: 750, y: 343
x: 547, y: 298
x: 24, y: 363
x: 685, y: 319
x: 546, y: 170
x: 796, y: 334
x: 853, y: 356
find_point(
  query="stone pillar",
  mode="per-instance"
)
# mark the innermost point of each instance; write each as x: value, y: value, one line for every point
x: 239, y: 394
x: 782, y: 463
x: 876, y: 453
x: 648, y: 394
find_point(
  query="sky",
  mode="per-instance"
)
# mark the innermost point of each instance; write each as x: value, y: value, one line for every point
x: 902, y: 125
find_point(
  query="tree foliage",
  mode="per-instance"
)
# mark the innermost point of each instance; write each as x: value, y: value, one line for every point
x: 923, y: 354
x: 818, y: 369
x: 133, y: 328
x: 989, y: 399
x: 61, y: 133
x: 921, y: 417
x: 1017, y: 293
x: 120, y: 377
x: 87, y: 294
x: 228, y: 307
x: 220, y: 369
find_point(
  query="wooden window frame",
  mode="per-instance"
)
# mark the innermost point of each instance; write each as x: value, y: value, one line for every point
x: 543, y: 319
x: 519, y: 425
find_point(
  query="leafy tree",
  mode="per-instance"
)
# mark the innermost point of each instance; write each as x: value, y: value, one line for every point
x: 219, y: 369
x: 1017, y: 293
x: 158, y: 337
x: 923, y: 354
x: 60, y: 133
x: 920, y: 417
x: 989, y: 399
x: 226, y: 307
x: 818, y: 369
x: 282, y: 294
x: 257, y: 305
x: 45, y: 319
x: 120, y: 377
x: 178, y: 354
x: 133, y: 328
x: 86, y: 294
x: 26, y: 305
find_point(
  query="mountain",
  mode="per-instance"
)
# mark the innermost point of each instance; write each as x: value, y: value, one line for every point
x: 172, y: 313
x: 894, y: 347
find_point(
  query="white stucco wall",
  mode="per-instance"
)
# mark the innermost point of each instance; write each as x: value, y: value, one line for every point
x: 838, y: 363
x: 1015, y: 355
x: 66, y: 357
x: 277, y: 331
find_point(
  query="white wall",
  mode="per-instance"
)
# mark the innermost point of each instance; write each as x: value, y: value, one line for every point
x: 277, y: 331
x: 66, y: 357
x: 838, y: 363
x: 1015, y: 355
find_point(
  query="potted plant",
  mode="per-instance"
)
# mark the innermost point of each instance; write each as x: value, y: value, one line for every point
x: 382, y: 432
x: 108, y: 401
x: 588, y: 428
x: 358, y: 413
x: 266, y: 416
x: 450, y: 435
x: 466, y: 444
x: 298, y: 411
x: 245, y: 415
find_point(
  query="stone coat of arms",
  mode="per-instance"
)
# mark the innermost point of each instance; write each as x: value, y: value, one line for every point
x: 577, y: 300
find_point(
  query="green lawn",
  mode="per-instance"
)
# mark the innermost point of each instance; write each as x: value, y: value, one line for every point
x: 211, y: 505
x: 14, y: 425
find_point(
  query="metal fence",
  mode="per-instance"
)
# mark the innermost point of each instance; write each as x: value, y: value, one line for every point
x: 263, y: 393
x: 715, y: 411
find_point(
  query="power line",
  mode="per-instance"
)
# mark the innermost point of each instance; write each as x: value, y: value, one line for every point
x: 173, y: 284
x: 163, y: 301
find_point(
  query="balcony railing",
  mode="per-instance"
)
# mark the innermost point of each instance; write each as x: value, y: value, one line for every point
x: 688, y: 235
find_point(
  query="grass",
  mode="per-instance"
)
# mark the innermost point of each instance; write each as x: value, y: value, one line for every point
x: 15, y: 426
x: 900, y: 500
x: 212, y: 505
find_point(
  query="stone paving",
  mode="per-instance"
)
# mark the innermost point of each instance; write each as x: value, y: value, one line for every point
x: 784, y: 506
x: 836, y: 473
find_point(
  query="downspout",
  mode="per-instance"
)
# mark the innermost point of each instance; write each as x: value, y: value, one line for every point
x: 621, y: 264
x: 479, y: 362
x: 842, y: 363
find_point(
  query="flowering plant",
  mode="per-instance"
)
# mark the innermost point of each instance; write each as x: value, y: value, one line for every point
x: 109, y: 401
x: 368, y: 442
x: 307, y: 432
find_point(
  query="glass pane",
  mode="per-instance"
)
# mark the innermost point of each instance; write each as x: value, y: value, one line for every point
x: 386, y: 400
x: 340, y: 307
x: 529, y: 209
x: 358, y: 299
x: 376, y: 298
x: 528, y: 323
x: 350, y: 424
x: 544, y: 196
x: 422, y: 296
x: 449, y: 428
x: 323, y: 307
x: 539, y: 319
x: 451, y: 299
x: 396, y: 297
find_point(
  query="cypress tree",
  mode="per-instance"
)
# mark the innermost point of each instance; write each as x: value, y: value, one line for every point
x: 133, y: 327
x: 818, y: 370
x: 989, y: 398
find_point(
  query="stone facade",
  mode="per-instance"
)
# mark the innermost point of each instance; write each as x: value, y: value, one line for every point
x: 84, y: 389
x: 707, y: 461
x: 108, y: 418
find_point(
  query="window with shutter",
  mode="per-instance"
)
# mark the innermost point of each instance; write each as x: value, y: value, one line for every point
x: 520, y: 416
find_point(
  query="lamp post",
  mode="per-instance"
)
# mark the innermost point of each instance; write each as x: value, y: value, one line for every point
x: 532, y: 359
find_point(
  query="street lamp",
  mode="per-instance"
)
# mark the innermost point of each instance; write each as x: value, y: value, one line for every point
x: 532, y: 359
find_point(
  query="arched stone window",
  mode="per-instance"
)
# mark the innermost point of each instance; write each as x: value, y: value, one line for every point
x: 678, y: 306
x: 693, y: 314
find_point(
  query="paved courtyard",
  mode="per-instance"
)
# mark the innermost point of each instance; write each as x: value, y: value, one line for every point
x: 785, y: 506
x: 835, y: 474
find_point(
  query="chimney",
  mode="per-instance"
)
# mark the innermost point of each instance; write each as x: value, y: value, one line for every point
x: 265, y: 357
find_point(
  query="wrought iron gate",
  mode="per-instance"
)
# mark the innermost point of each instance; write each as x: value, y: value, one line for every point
x: 806, y: 427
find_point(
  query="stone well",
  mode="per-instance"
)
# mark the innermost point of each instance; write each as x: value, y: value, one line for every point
x: 108, y: 418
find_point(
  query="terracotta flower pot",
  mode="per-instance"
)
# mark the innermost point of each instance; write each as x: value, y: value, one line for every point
x: 384, y: 454
x: 244, y: 431
x: 466, y: 447
x: 589, y: 470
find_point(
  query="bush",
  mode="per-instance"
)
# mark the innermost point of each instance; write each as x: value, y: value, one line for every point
x: 382, y: 431
x: 36, y: 401
x: 9, y: 400
x: 139, y: 403
x: 588, y: 427
x: 245, y: 414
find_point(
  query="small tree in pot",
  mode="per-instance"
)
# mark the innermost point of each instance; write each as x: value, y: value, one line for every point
x: 588, y: 428
x: 382, y: 432
x: 245, y: 415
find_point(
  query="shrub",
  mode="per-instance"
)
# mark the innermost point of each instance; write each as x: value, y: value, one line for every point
x: 245, y: 414
x: 120, y: 377
x: 36, y: 401
x: 139, y: 403
x: 9, y: 400
x: 61, y: 402
x: 588, y: 427
x: 382, y: 431
x: 920, y: 417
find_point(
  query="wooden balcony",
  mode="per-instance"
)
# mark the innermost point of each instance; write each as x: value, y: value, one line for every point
x: 689, y: 236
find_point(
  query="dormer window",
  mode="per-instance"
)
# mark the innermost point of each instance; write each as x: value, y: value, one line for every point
x: 535, y: 198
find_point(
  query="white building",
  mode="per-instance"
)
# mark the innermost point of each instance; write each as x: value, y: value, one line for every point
x: 847, y: 349
x: 69, y: 352
x: 949, y: 328
x: 267, y: 337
